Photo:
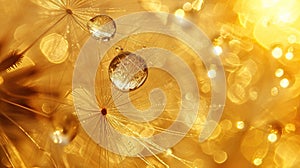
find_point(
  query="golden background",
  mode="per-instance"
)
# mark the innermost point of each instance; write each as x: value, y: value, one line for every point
x: 258, y: 42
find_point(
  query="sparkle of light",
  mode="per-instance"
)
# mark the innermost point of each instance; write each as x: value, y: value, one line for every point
x: 169, y: 152
x: 272, y: 137
x: 240, y: 125
x: 257, y: 161
x: 197, y: 5
x: 284, y: 83
x: 212, y: 73
x: 218, y: 50
x: 289, y: 55
x: 279, y: 72
x: 277, y: 52
x: 179, y: 13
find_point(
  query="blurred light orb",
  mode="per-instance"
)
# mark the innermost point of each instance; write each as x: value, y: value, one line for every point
x: 272, y: 137
x: 128, y: 71
x: 284, y: 83
x: 240, y: 125
x: 179, y: 13
x: 220, y: 157
x: 292, y: 39
x: 102, y: 27
x: 279, y: 72
x: 217, y: 50
x: 289, y: 55
x: 290, y: 127
x: 277, y: 52
x: 197, y: 5
x: 212, y: 73
x: 54, y: 47
x: 257, y: 161
x: 187, y: 6
x: 169, y: 152
x: 274, y: 91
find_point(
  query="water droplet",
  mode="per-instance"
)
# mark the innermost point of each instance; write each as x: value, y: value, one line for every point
x: 102, y: 27
x: 128, y: 71
x: 292, y: 39
x: 65, y: 126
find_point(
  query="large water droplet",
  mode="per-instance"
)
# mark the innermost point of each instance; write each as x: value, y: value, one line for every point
x: 102, y: 27
x: 128, y: 71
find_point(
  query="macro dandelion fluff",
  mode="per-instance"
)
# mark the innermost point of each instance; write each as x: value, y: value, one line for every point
x: 46, y: 121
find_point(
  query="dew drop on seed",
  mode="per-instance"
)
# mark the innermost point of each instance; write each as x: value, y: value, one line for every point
x: 102, y: 27
x: 128, y: 71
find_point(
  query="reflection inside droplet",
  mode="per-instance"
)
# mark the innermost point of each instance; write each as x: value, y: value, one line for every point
x: 102, y: 27
x: 128, y: 71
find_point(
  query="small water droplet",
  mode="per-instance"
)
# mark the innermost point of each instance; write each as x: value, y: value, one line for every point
x: 65, y: 126
x: 102, y: 27
x: 128, y: 71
